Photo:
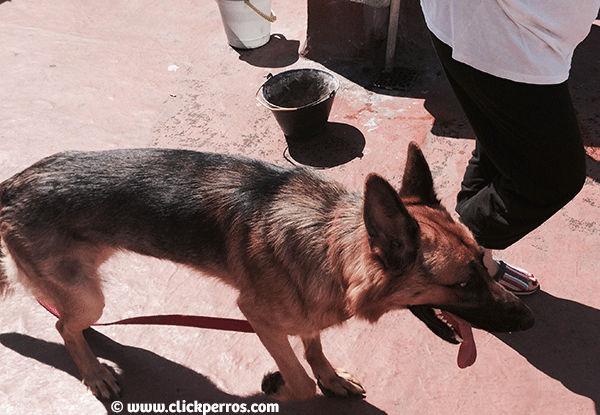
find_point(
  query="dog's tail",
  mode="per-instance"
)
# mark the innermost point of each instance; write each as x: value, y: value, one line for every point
x: 3, y: 277
x: 4, y: 282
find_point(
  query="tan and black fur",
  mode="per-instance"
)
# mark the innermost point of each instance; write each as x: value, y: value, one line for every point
x: 303, y: 252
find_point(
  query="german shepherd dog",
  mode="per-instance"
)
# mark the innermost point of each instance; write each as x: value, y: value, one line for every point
x: 303, y: 252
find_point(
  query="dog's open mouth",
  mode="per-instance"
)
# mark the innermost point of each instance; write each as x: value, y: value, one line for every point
x: 451, y: 328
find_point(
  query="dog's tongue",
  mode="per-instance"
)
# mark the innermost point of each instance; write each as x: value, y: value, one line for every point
x: 467, y: 352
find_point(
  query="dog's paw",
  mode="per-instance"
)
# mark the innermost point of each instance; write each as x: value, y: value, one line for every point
x: 343, y: 384
x: 102, y: 383
x: 271, y: 383
x: 275, y: 387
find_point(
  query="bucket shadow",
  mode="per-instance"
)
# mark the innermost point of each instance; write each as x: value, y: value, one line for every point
x: 148, y: 378
x: 338, y: 144
x: 563, y: 344
x: 277, y: 53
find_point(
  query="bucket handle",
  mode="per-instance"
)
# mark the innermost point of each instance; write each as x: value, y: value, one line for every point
x: 270, y: 18
x: 266, y: 103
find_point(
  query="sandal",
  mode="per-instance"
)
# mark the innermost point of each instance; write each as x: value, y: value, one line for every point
x: 516, y: 280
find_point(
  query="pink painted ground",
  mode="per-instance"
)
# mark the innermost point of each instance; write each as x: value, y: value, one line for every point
x: 102, y: 75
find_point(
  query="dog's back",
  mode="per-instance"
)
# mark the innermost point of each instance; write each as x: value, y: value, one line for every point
x: 189, y: 207
x: 136, y: 200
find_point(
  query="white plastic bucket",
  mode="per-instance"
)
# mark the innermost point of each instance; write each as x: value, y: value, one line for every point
x: 247, y: 22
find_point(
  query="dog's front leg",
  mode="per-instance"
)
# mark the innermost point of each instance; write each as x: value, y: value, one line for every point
x: 332, y: 381
x: 291, y: 383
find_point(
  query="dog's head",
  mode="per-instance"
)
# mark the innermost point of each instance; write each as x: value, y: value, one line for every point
x: 433, y: 264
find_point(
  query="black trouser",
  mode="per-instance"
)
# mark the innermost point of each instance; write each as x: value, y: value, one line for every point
x: 529, y: 159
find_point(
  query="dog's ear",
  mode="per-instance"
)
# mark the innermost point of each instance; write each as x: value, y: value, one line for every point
x: 393, y: 232
x: 417, y: 181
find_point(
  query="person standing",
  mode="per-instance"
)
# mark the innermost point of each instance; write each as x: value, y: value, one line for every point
x: 508, y: 63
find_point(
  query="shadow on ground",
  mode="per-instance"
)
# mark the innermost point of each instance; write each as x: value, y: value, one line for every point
x: 338, y: 144
x: 149, y: 378
x: 563, y: 344
x: 279, y: 52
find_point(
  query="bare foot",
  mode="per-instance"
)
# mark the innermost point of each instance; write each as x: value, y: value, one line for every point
x: 488, y: 260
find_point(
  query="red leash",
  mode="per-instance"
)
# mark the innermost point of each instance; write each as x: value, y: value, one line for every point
x: 215, y: 323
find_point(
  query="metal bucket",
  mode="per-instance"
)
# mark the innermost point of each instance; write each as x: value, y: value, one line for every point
x: 247, y: 23
x: 301, y: 100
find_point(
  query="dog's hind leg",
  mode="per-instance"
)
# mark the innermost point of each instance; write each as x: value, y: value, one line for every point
x: 70, y: 283
x: 332, y: 381
x: 78, y: 312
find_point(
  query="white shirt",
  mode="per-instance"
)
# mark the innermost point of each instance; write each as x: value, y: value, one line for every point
x: 530, y: 41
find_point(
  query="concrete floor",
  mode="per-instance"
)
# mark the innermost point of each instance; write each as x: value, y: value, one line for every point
x: 114, y: 74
